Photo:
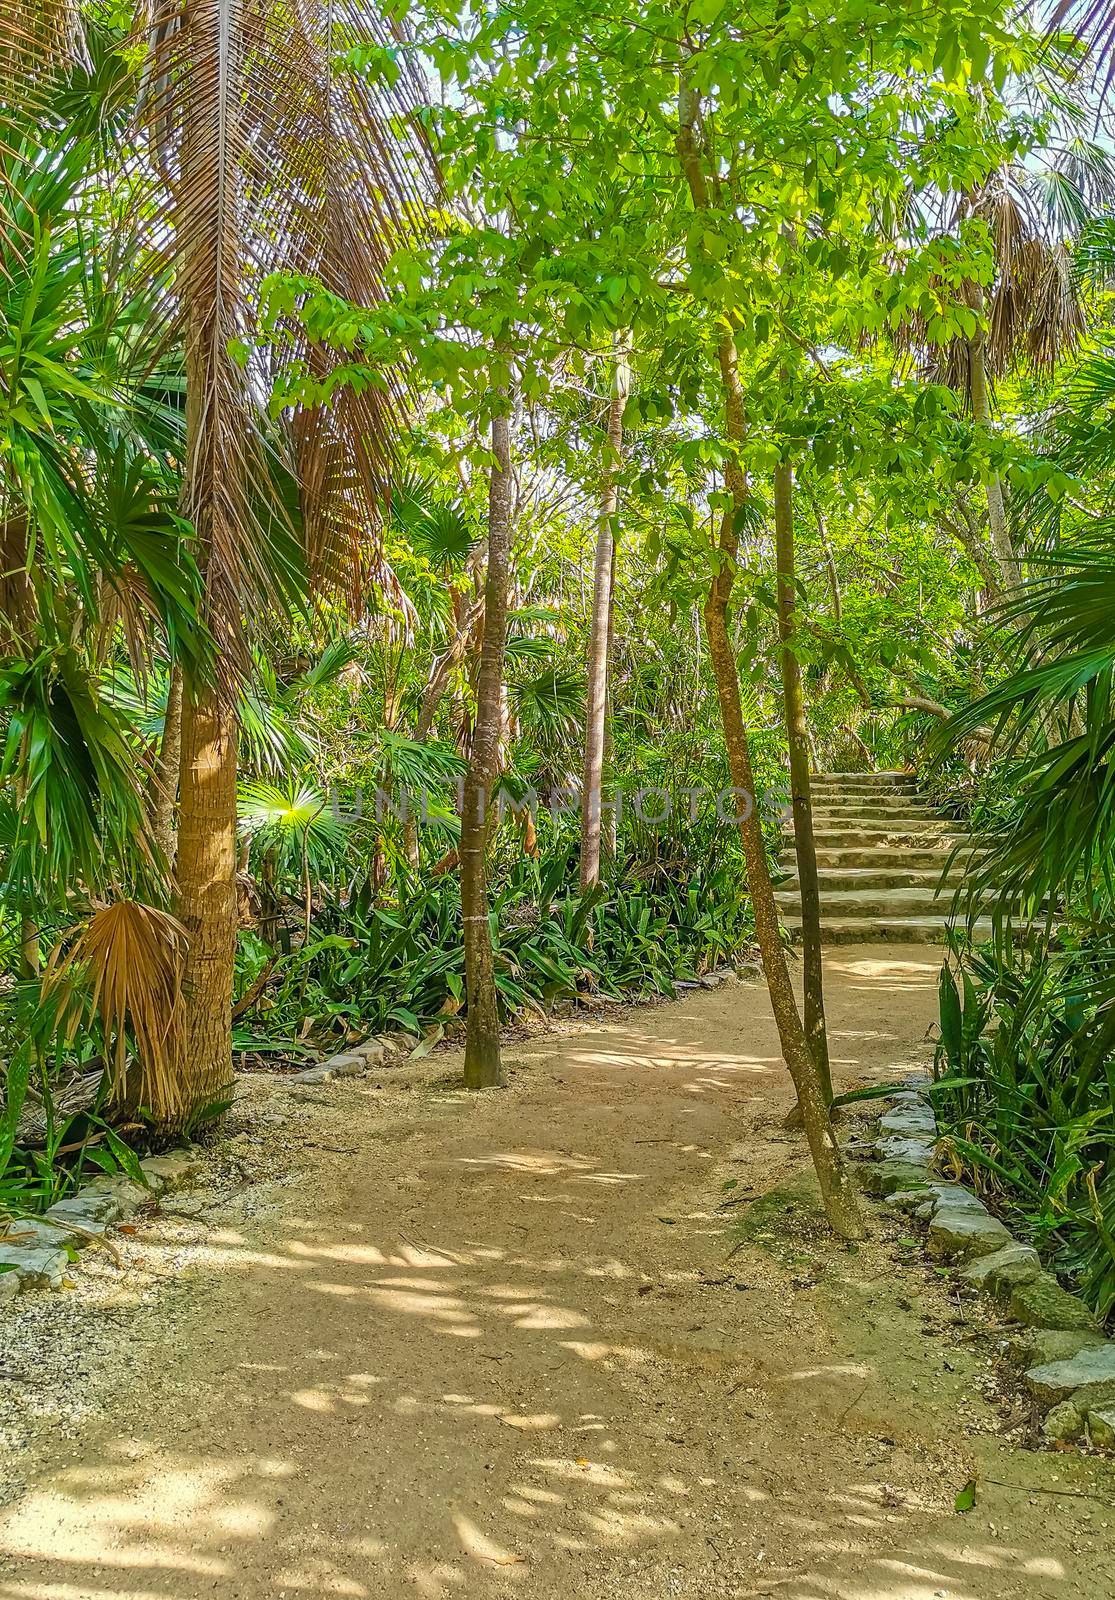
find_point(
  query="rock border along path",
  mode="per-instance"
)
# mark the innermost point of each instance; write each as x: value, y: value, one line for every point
x: 1070, y: 1365
x: 889, y: 863
x: 35, y: 1252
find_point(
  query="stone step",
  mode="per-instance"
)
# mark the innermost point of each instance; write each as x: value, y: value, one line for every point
x: 886, y: 877
x: 842, y: 905
x: 927, y: 836
x: 863, y: 783
x: 888, y: 930
x: 880, y: 856
x: 887, y: 800
x: 874, y: 817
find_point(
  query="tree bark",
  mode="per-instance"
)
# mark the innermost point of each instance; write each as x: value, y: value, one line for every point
x: 483, y: 1066
x: 1002, y: 545
x: 837, y: 1192
x: 797, y: 738
x: 218, y: 444
x: 30, y: 951
x: 206, y: 903
x: 600, y: 630
x: 167, y: 769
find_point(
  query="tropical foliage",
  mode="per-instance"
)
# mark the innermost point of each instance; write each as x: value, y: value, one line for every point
x: 440, y: 470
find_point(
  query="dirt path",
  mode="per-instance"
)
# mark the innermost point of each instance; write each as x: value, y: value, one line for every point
x: 447, y: 1346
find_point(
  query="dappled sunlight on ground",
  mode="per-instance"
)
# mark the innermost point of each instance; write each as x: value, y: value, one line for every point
x: 520, y: 1351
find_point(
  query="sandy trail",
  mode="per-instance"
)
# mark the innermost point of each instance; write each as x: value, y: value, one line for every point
x: 449, y: 1346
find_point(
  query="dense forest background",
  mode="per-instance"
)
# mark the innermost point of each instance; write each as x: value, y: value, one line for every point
x: 448, y: 457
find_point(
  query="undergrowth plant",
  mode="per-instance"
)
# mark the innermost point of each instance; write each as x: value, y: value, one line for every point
x: 1024, y: 1088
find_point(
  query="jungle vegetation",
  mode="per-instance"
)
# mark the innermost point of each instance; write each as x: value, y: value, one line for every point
x: 444, y: 451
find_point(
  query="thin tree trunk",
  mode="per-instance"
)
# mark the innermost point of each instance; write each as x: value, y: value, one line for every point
x: 483, y: 1066
x: 168, y: 769
x: 206, y: 905
x: 797, y: 738
x: 609, y: 825
x: 600, y: 630
x: 837, y: 1191
x: 30, y: 952
x: 1006, y: 557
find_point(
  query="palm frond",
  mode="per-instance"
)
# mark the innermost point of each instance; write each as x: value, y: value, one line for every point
x: 124, y: 968
x: 282, y: 141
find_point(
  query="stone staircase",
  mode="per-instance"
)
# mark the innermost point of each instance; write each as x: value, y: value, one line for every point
x: 882, y: 853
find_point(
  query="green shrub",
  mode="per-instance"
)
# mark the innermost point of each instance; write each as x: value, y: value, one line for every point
x: 1025, y: 1096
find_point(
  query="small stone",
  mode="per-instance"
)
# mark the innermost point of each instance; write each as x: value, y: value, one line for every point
x: 372, y: 1050
x: 9, y: 1284
x: 1042, y: 1303
x: 1088, y: 1378
x: 344, y: 1065
x: 320, y: 1074
x: 1101, y: 1428
x: 1000, y: 1273
x: 958, y: 1235
x: 173, y: 1170
x: 881, y: 1178
x: 1064, y: 1423
x: 710, y: 980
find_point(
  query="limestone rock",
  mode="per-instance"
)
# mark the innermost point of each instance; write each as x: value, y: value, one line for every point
x: 172, y: 1170
x: 345, y: 1064
x: 319, y: 1074
x: 1041, y: 1347
x: 1000, y: 1273
x: 1042, y: 1303
x: 914, y: 1120
x: 1101, y: 1428
x: 1088, y: 1379
x: 9, y: 1285
x: 908, y: 1200
x: 954, y: 1197
x: 881, y: 1178
x: 36, y: 1268
x: 1064, y: 1423
x: 95, y: 1207
x: 905, y: 1147
x: 32, y: 1233
x: 958, y: 1235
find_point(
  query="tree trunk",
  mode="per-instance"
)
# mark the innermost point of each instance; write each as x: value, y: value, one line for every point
x: 1005, y: 555
x: 483, y: 1067
x: 218, y: 444
x: 168, y: 769
x: 837, y: 1191
x: 797, y: 738
x: 206, y: 905
x: 30, y: 952
x: 600, y: 630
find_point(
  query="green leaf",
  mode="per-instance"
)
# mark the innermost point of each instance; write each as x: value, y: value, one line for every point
x: 966, y: 1499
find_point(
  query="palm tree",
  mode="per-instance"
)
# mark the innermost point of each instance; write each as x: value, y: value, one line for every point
x: 1032, y: 312
x: 266, y: 153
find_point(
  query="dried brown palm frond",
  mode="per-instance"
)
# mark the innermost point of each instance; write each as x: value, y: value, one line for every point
x: 125, y: 968
x: 274, y: 154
